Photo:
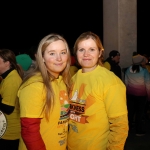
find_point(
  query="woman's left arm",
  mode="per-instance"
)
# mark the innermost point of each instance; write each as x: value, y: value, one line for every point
x: 118, y: 132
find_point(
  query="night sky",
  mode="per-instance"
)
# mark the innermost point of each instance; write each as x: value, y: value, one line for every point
x: 23, y: 25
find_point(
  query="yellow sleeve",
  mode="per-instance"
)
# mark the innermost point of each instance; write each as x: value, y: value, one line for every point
x: 107, y: 65
x: 118, y: 132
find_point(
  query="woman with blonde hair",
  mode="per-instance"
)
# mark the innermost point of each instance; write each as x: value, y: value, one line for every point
x: 44, y: 106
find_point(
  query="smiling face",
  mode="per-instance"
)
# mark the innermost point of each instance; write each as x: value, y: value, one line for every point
x: 88, y: 54
x: 55, y: 57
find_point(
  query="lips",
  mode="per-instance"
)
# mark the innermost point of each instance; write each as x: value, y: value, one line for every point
x: 86, y: 59
x: 58, y: 64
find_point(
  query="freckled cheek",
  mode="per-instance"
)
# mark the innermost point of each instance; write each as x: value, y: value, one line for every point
x: 79, y: 60
x: 65, y: 59
x: 50, y: 59
x: 79, y: 56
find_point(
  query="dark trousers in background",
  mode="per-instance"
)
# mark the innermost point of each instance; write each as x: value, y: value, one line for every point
x: 136, y: 109
x: 147, y: 109
x: 9, y: 144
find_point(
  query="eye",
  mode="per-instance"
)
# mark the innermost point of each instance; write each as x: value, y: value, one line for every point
x: 92, y: 49
x: 81, y: 50
x: 51, y: 54
x: 64, y: 52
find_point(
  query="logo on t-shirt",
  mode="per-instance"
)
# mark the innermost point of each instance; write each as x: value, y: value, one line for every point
x: 77, y: 109
x: 64, y: 114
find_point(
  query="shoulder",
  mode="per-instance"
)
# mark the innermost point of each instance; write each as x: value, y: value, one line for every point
x: 106, y: 80
x: 34, y: 81
x: 13, y: 73
x: 143, y: 69
x: 108, y: 77
x: 106, y: 73
x: 107, y: 65
x: 146, y: 71
x: 13, y: 76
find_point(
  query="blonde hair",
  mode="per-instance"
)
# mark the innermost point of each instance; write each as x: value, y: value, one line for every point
x: 89, y: 35
x: 47, y: 77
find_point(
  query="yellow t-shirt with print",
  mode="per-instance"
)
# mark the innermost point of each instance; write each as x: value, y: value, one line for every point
x: 95, y: 96
x: 32, y: 99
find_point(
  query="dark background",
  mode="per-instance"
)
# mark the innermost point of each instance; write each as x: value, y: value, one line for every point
x: 143, y: 27
x: 23, y: 25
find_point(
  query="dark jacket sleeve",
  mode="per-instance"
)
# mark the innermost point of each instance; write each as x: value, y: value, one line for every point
x: 6, y: 108
x: 30, y: 132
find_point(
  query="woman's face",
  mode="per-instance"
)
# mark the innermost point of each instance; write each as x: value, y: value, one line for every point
x: 4, y: 66
x: 55, y: 57
x: 88, y: 55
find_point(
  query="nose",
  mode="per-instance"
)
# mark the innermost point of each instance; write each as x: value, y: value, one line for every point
x: 86, y: 53
x: 58, y: 57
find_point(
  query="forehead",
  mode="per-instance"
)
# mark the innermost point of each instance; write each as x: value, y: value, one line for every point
x: 87, y: 43
x: 56, y: 45
x: 117, y: 57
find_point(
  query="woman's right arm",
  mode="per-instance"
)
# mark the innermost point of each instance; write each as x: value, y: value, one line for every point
x: 30, y: 132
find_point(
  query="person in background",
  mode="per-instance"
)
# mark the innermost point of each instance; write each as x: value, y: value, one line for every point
x: 112, y: 63
x: 25, y: 61
x: 134, y: 53
x: 32, y: 53
x: 98, y: 111
x: 43, y: 97
x: 11, y: 77
x: 137, y: 81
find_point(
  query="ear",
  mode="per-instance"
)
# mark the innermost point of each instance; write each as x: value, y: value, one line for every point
x: 7, y: 63
x: 100, y: 53
x: 35, y: 55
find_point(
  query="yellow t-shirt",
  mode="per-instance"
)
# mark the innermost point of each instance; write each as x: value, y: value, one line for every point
x: 95, y: 97
x: 73, y: 70
x: 32, y: 99
x: 8, y: 91
x: 107, y: 65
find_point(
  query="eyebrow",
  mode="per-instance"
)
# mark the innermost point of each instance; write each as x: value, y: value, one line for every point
x: 55, y: 50
x: 89, y: 48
